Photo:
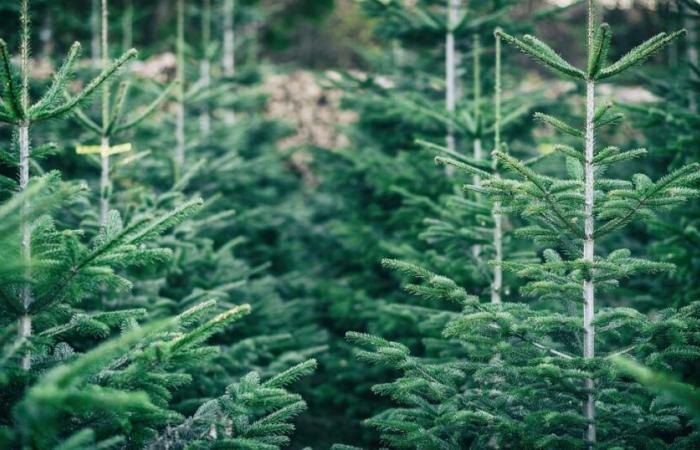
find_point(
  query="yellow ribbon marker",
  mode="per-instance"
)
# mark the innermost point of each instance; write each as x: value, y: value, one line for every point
x: 96, y: 149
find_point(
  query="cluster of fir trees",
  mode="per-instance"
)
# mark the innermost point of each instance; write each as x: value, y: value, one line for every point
x: 547, y: 368
x: 131, y: 353
x: 314, y: 283
x: 114, y: 305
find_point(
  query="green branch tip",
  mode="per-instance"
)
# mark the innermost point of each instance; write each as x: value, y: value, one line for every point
x: 640, y: 53
x: 89, y: 89
x: 599, y: 51
x: 542, y: 53
x: 198, y: 307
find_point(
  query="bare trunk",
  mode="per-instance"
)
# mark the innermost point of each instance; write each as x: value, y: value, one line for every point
x: 95, y: 38
x: 25, y: 322
x: 451, y: 69
x: 398, y: 56
x: 477, y: 145
x: 180, y: 107
x: 476, y: 74
x: 253, y: 49
x: 497, y: 285
x: 180, y: 135
x: 104, y: 182
x: 104, y: 144
x: 204, y: 119
x: 478, y: 155
x: 588, y: 257
x: 589, y: 243
x: 476, y: 249
x: 229, y: 51
x: 46, y: 37
x: 205, y: 66
x: 692, y: 43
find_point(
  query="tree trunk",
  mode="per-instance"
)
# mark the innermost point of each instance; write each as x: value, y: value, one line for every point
x: 692, y: 50
x: 451, y: 68
x: 229, y: 52
x: 477, y: 145
x: 46, y: 37
x: 104, y: 144
x: 589, y: 243
x: 497, y: 285
x: 95, y: 38
x: 25, y: 322
x: 104, y: 181
x: 180, y: 112
x: 205, y: 65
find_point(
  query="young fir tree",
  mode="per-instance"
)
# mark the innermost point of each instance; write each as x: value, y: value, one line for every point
x: 20, y: 113
x: 528, y: 375
x: 112, y: 122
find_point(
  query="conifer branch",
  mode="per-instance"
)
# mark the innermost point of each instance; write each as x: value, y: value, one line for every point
x: 116, y: 113
x: 542, y: 53
x: 476, y: 172
x: 85, y: 93
x: 83, y: 119
x: 147, y: 111
x: 599, y: 52
x: 681, y: 393
x: 11, y: 93
x: 531, y: 176
x: 559, y: 125
x: 687, y: 173
x: 60, y: 81
x: 638, y: 54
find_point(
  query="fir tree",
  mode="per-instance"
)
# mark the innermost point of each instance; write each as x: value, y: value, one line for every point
x: 17, y: 110
x: 113, y: 122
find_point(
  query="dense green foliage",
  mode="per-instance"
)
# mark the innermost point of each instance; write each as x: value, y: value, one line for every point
x: 490, y: 258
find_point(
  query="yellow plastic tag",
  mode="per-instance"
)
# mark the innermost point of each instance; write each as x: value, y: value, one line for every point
x: 93, y: 149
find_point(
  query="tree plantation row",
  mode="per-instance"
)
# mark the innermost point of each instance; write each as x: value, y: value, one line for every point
x: 462, y: 237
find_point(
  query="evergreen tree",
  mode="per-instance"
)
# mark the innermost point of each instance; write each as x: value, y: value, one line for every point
x: 17, y: 110
x: 112, y: 122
